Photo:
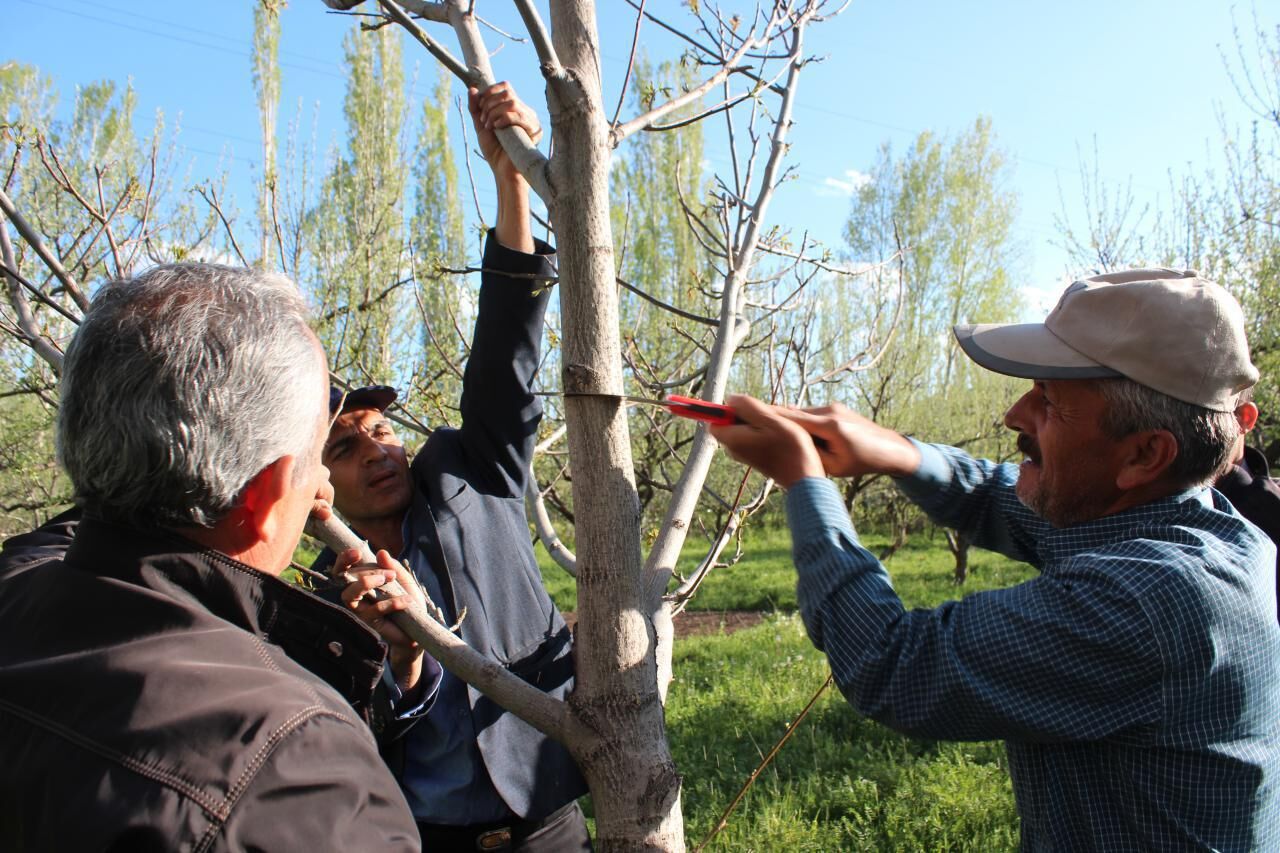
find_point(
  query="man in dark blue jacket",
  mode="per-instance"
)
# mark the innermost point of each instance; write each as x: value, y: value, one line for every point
x: 475, y: 775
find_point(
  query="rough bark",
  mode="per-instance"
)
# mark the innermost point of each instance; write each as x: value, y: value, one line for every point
x: 633, y: 779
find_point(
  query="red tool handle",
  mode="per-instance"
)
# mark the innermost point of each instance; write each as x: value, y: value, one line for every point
x: 716, y: 414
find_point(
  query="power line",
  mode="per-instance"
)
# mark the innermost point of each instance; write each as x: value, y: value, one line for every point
x: 204, y: 31
x: 807, y: 177
x: 181, y: 39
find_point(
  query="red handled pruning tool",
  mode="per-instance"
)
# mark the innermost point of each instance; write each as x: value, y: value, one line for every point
x: 715, y: 414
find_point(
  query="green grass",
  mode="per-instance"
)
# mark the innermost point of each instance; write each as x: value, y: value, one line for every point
x: 841, y: 782
x: 765, y: 579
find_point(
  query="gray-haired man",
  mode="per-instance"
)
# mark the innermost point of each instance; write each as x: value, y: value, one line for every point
x: 1136, y: 681
x: 159, y: 684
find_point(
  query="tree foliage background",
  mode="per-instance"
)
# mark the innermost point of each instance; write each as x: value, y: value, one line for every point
x: 373, y: 227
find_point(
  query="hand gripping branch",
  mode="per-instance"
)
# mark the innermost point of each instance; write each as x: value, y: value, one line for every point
x: 545, y: 713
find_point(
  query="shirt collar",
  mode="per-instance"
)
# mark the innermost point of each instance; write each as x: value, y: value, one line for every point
x: 1060, y: 543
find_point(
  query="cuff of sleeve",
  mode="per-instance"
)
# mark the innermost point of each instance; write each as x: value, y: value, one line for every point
x: 933, y: 474
x: 814, y: 505
x: 404, y: 707
x: 498, y: 257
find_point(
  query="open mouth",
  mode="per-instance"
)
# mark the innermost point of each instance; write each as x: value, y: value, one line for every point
x: 382, y: 479
x: 1030, y: 450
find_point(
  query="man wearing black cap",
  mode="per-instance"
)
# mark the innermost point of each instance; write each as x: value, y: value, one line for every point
x: 1136, y: 680
x: 475, y: 776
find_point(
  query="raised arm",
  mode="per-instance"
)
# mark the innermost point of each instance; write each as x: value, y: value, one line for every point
x: 499, y: 414
x: 957, y: 671
x: 495, y: 108
x: 1034, y: 662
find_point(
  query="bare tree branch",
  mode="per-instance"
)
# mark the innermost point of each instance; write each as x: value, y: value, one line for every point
x: 27, y: 233
x: 552, y: 70
x: 211, y: 198
x: 542, y: 711
x: 622, y: 131
x: 777, y: 90
x: 631, y: 61
x: 723, y: 106
x: 26, y: 320
x: 697, y: 318
x: 439, y: 51
x: 666, y: 550
x: 477, y: 74
x: 853, y: 365
x: 534, y: 499
x: 38, y: 293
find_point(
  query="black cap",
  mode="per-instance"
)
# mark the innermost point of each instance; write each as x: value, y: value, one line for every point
x: 369, y: 397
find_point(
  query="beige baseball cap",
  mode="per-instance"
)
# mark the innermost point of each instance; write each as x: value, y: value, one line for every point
x: 1169, y: 330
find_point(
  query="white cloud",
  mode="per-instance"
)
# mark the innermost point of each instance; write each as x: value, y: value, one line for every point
x: 850, y: 183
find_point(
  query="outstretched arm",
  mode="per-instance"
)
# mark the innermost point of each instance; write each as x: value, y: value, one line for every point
x: 975, y: 496
x: 500, y: 415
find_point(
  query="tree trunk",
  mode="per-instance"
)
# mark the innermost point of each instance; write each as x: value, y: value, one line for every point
x: 959, y: 544
x: 634, y: 784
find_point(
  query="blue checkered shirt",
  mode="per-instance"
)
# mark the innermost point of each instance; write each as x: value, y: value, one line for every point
x: 1135, y: 681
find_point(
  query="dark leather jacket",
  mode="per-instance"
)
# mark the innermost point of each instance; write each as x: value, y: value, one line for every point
x: 155, y: 695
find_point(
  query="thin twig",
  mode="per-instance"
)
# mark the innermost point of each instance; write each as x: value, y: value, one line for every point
x: 755, y: 774
x: 38, y: 293
x: 217, y: 208
x: 777, y: 90
x: 848, y: 367
x: 622, y: 131
x: 631, y: 61
x: 706, y: 321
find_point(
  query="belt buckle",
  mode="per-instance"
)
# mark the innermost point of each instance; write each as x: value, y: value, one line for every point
x: 494, y: 839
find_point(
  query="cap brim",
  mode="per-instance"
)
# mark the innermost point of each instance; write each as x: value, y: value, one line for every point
x: 1027, y: 350
x: 372, y: 397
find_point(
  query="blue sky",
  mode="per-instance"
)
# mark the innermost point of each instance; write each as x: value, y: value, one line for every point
x: 1144, y: 81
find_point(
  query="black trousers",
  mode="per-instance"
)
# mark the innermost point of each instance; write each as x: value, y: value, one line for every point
x: 562, y: 831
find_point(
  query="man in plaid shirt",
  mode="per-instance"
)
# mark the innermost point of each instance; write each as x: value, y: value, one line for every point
x: 1136, y: 680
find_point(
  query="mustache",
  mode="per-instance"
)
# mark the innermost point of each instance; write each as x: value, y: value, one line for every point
x: 1029, y: 447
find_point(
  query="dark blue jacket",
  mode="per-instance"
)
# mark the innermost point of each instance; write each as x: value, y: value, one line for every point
x: 467, y: 516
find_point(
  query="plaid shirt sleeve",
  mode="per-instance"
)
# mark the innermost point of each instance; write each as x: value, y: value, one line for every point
x: 975, y: 496
x: 1035, y: 662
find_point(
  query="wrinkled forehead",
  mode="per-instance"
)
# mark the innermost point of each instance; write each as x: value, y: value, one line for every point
x: 353, y: 420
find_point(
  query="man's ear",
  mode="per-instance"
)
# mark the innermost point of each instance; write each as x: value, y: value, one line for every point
x: 262, y: 497
x: 1247, y: 415
x: 1147, y: 456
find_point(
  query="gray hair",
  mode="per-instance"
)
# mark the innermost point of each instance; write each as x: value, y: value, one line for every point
x: 1205, y: 438
x: 180, y: 386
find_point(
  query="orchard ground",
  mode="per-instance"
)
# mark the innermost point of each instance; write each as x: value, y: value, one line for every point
x: 744, y: 669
